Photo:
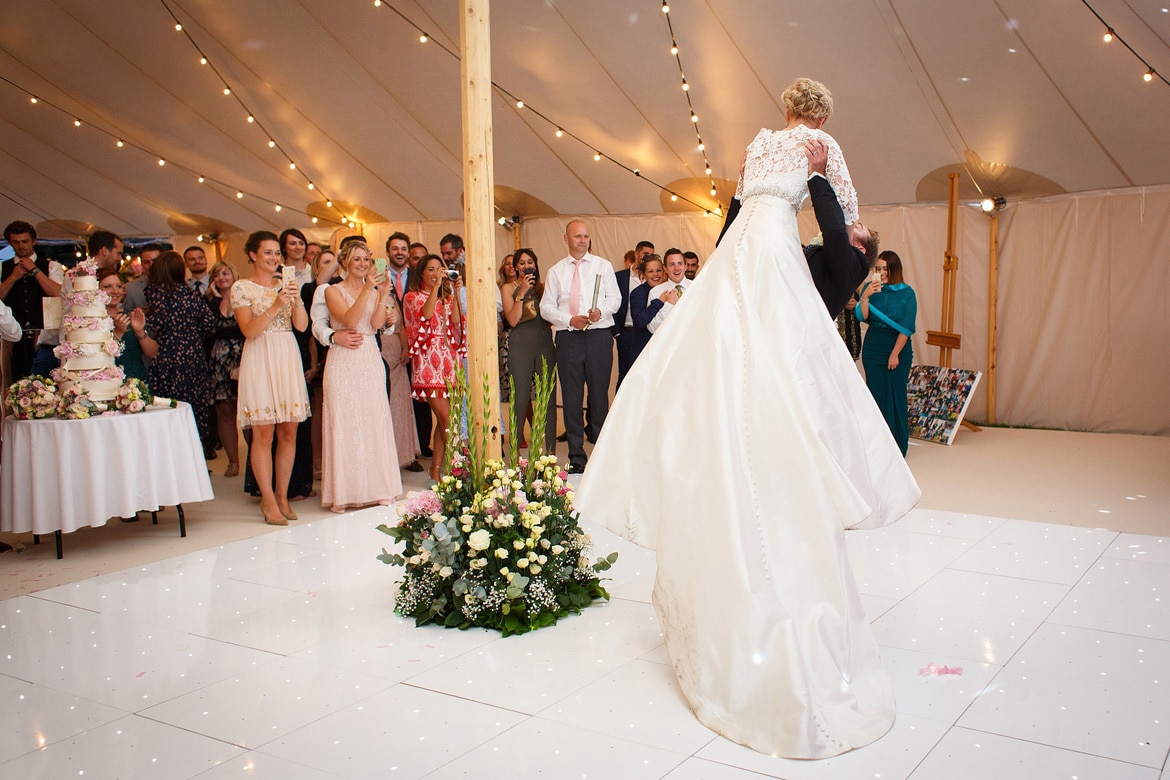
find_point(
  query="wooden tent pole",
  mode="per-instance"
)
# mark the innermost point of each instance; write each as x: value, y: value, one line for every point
x: 992, y: 306
x: 478, y: 200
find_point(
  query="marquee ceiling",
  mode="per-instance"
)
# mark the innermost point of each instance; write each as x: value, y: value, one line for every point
x: 1022, y: 97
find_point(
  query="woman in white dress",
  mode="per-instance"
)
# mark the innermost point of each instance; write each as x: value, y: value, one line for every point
x: 764, y: 446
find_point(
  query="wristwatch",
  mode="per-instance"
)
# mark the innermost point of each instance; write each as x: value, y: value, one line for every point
x: 332, y: 343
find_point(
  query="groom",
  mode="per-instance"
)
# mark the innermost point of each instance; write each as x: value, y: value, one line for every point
x: 842, y: 260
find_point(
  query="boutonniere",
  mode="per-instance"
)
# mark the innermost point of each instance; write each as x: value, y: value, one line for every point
x: 817, y: 240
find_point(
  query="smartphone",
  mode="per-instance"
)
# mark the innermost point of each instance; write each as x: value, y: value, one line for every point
x: 380, y: 266
x: 288, y: 275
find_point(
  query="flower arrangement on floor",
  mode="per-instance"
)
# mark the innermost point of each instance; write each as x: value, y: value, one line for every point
x: 495, y: 543
x: 32, y: 398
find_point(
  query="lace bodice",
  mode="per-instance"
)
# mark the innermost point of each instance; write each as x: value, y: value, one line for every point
x: 776, y: 165
x: 247, y: 293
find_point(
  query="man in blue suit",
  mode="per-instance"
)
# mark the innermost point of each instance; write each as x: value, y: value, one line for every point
x: 623, y: 324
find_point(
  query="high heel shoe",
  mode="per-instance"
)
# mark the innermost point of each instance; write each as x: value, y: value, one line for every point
x: 289, y: 514
x: 278, y: 519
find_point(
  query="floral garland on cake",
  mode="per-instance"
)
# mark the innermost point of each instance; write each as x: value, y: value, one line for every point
x: 495, y: 543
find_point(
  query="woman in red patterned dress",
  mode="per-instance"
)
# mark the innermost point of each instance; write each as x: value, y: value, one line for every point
x: 435, y: 331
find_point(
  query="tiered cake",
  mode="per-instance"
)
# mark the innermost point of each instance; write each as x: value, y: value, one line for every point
x: 88, y: 347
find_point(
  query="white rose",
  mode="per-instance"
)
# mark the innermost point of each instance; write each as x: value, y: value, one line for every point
x: 520, y: 564
x: 557, y: 549
x: 480, y: 540
x: 445, y: 572
x: 518, y: 544
x: 501, y: 553
x: 534, y: 569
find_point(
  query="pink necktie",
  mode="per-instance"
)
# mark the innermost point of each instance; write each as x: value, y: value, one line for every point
x: 398, y: 283
x: 575, y: 290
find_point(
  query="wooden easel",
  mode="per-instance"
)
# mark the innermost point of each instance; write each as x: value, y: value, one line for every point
x: 946, y: 339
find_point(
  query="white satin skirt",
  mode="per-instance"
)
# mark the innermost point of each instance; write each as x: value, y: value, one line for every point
x: 742, y: 444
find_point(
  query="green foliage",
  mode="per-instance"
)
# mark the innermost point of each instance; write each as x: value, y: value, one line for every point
x: 495, y: 543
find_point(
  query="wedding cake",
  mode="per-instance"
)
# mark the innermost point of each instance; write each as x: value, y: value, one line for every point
x: 88, y: 348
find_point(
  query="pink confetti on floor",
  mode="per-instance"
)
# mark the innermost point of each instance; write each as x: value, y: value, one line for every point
x: 939, y: 671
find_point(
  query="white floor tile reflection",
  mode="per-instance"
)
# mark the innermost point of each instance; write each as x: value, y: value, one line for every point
x: 1013, y: 647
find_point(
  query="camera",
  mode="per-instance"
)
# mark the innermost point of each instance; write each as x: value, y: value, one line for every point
x: 452, y: 274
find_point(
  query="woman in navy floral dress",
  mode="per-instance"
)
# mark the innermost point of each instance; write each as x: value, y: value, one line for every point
x: 179, y: 320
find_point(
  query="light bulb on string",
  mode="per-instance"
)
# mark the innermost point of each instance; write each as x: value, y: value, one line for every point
x: 597, y: 156
x: 251, y: 119
x: 674, y: 49
x: 202, y: 60
x: 271, y: 143
x: 178, y: 27
x: 314, y: 220
x: 686, y: 87
x: 239, y: 194
x: 292, y: 166
x: 200, y: 180
x: 277, y: 207
x: 161, y: 162
x: 422, y: 38
x: 77, y: 123
x: 519, y: 104
x: 227, y: 91
x: 328, y: 204
x: 665, y: 8
x: 560, y: 132
x: 1149, y: 75
x: 312, y: 186
x: 1108, y: 34
x: 120, y: 144
x: 33, y: 100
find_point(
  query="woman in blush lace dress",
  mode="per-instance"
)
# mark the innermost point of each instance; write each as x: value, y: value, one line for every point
x: 359, y: 466
x: 764, y: 447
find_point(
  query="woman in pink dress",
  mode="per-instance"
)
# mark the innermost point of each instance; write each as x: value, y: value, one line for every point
x: 273, y: 400
x: 359, y: 466
x: 435, y: 332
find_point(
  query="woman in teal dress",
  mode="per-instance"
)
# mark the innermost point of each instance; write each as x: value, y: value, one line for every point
x: 890, y: 308
x: 130, y: 328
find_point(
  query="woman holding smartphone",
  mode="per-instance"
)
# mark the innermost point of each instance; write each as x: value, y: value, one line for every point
x: 530, y: 341
x: 890, y: 308
x: 273, y: 399
x: 434, y: 329
x: 359, y: 466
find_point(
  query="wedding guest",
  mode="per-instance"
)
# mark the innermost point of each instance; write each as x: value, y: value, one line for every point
x: 890, y: 308
x: 10, y: 329
x: 417, y: 252
x: 312, y: 250
x: 226, y: 347
x: 358, y: 468
x: 530, y: 343
x: 506, y: 275
x: 580, y: 298
x: 434, y: 329
x: 136, y: 290
x: 196, y: 261
x: 273, y: 399
x: 292, y: 248
x: 324, y: 273
x: 179, y: 320
x: 692, y: 265
x: 629, y: 344
x: 25, y: 281
x: 654, y: 272
x: 130, y: 328
x: 666, y: 296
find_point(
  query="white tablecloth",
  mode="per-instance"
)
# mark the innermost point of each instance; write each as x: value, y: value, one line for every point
x: 67, y: 474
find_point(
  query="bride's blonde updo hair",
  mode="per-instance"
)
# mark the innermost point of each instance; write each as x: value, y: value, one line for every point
x: 808, y: 99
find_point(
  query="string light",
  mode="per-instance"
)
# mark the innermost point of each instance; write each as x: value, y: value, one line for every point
x: 120, y: 143
x: 227, y: 91
x: 32, y: 100
x: 1111, y: 35
x: 559, y: 129
x: 686, y: 88
x: 665, y: 7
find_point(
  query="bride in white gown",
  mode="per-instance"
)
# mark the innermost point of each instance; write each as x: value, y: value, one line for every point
x: 742, y: 444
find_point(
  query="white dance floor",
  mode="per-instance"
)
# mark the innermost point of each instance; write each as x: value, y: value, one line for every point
x: 1017, y: 650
